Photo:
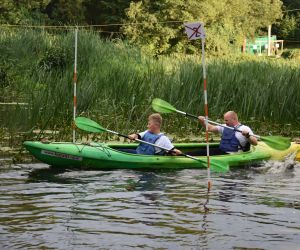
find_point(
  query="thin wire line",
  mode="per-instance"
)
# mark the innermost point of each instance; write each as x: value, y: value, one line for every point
x: 290, y: 10
x: 79, y: 26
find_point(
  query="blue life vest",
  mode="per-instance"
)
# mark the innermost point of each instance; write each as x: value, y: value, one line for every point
x: 229, y: 142
x: 145, y: 149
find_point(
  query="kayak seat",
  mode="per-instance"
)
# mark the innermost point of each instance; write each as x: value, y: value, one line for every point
x: 127, y: 150
x: 202, y: 152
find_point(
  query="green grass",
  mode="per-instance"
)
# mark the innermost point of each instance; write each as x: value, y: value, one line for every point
x: 116, y: 85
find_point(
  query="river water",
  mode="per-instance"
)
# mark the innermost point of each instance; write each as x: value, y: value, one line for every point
x: 249, y: 208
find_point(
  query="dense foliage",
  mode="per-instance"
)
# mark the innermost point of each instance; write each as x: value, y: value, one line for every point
x: 227, y: 22
x: 289, y: 27
x: 156, y: 26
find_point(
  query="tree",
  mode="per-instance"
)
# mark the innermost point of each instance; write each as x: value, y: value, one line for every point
x: 66, y: 11
x: 291, y: 4
x: 153, y: 26
x: 106, y: 12
x: 22, y: 11
x: 289, y: 27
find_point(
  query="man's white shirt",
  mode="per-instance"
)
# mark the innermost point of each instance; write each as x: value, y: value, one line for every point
x: 242, y: 139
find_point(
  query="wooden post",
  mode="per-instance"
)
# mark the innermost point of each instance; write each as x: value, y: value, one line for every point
x: 244, y: 45
x: 269, y: 40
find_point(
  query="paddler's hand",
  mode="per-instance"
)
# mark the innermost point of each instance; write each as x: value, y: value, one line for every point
x: 202, y: 120
x: 133, y: 136
x: 246, y: 134
x: 175, y: 152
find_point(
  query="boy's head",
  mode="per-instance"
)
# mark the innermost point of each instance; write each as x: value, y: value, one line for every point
x: 154, y: 123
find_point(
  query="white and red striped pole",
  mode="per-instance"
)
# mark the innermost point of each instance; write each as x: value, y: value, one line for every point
x: 196, y: 31
x: 206, y: 114
x: 75, y: 81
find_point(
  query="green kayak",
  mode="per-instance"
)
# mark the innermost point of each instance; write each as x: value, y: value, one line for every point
x: 112, y: 156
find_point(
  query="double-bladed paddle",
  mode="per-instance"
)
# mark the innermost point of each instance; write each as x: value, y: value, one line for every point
x: 276, y: 142
x: 89, y: 125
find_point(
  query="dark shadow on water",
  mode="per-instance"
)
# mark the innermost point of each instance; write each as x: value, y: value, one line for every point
x: 147, y: 181
x: 52, y: 175
x: 150, y: 181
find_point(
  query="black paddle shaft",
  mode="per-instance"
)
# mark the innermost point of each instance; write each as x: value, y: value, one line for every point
x: 190, y: 115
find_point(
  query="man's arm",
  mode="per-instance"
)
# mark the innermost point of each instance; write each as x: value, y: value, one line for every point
x: 176, y: 152
x: 211, y: 128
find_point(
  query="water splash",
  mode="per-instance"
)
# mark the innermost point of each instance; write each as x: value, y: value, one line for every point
x: 288, y: 165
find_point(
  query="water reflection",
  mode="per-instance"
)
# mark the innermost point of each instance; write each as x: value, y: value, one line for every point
x: 42, y: 207
x: 48, y: 174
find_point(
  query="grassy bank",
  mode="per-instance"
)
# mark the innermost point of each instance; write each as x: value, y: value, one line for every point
x: 116, y: 84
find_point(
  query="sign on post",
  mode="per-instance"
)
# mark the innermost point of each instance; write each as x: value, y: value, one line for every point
x: 195, y: 31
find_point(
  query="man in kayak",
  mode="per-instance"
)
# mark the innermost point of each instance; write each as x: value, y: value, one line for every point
x: 231, y: 141
x: 154, y: 136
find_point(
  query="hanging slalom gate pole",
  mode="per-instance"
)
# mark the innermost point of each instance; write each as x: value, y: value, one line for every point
x: 75, y: 81
x: 206, y: 114
x: 196, y: 31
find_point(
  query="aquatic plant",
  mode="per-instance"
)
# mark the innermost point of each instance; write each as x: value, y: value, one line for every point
x: 116, y: 84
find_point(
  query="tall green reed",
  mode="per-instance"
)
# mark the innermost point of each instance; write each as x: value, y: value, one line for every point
x: 116, y: 85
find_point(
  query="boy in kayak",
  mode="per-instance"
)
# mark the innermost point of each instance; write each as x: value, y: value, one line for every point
x: 154, y: 136
x: 231, y: 141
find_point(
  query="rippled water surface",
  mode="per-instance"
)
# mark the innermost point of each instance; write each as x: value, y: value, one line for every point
x: 46, y: 208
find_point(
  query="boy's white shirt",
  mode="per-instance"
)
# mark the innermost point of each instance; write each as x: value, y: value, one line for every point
x: 163, y: 141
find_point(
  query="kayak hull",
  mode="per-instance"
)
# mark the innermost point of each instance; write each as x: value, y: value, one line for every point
x: 110, y: 156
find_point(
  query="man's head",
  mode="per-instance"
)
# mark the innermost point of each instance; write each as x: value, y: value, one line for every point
x: 154, y: 123
x: 231, y: 119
